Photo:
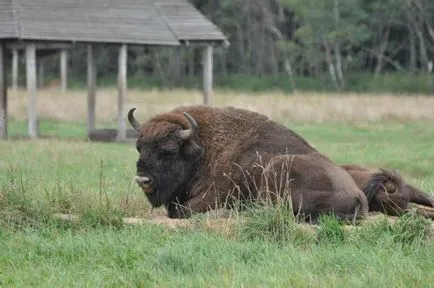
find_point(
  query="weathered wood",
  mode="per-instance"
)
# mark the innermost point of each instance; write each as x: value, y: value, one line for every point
x: 15, y: 58
x: 185, y: 22
x: 41, y: 73
x: 91, y: 86
x: 64, y: 69
x: 40, y: 46
x: 122, y: 91
x: 3, y: 94
x: 128, y: 21
x: 207, y: 74
x: 31, y: 88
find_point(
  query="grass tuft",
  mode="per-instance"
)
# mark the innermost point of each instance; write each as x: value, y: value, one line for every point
x: 18, y: 209
x: 273, y: 222
x: 330, y: 230
x: 410, y: 229
x: 103, y: 217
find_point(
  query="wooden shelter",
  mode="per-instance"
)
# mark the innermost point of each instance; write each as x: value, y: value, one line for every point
x: 52, y: 24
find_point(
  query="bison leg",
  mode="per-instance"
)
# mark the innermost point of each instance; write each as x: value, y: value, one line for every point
x: 315, y: 185
x: 201, y: 203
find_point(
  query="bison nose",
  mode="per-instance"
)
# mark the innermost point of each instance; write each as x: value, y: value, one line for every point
x: 143, y: 181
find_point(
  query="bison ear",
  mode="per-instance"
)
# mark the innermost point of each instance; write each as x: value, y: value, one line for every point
x: 418, y: 197
x: 192, y: 149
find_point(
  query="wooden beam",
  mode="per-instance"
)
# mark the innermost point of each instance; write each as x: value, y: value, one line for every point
x: 15, y: 58
x: 31, y: 88
x: 207, y: 74
x: 3, y: 94
x: 40, y: 45
x: 122, y: 92
x: 91, y: 86
x: 64, y: 69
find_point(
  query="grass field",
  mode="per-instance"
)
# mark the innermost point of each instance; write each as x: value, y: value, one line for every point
x: 68, y: 174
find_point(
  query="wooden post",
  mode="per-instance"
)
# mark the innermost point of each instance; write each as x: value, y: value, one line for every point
x: 122, y: 92
x: 31, y: 88
x: 207, y: 74
x: 3, y: 94
x: 91, y: 86
x: 15, y: 69
x: 64, y: 69
x: 41, y: 73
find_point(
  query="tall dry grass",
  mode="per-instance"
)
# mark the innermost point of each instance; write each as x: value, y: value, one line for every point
x: 300, y: 107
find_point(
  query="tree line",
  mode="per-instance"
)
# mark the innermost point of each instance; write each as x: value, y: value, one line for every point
x: 332, y: 42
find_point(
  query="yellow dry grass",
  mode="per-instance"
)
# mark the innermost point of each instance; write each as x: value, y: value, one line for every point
x: 300, y: 107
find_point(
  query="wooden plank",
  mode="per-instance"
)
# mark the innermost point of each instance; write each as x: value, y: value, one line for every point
x: 127, y: 21
x: 207, y: 74
x: 15, y: 58
x: 122, y: 92
x: 91, y: 86
x: 8, y: 21
x: 3, y: 94
x: 31, y: 88
x: 40, y: 45
x: 63, y: 69
x: 187, y: 22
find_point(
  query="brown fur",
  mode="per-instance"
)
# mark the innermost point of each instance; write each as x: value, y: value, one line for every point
x: 386, y: 190
x: 315, y: 185
x: 238, y: 146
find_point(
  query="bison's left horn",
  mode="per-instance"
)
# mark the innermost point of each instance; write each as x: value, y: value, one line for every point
x: 191, y: 131
x: 136, y: 125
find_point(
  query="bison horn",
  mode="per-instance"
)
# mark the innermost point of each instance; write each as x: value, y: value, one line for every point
x: 191, y: 131
x: 136, y: 125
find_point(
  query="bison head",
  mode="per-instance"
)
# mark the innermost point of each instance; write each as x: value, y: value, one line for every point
x: 168, y: 157
x: 386, y: 190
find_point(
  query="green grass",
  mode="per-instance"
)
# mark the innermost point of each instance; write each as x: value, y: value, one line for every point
x: 268, y: 249
x: 49, y: 129
x: 150, y: 256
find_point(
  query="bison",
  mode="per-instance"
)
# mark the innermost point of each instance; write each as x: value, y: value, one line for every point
x: 386, y: 190
x: 198, y: 158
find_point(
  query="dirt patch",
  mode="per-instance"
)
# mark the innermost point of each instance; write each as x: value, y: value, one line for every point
x: 225, y: 222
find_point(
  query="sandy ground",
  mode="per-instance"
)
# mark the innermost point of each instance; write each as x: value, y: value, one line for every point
x: 224, y: 220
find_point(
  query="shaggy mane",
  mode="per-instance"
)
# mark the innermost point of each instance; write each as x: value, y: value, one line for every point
x: 161, y: 126
x: 378, y: 180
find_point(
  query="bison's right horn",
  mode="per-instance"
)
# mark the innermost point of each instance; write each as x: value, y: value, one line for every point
x: 136, y: 125
x: 191, y: 131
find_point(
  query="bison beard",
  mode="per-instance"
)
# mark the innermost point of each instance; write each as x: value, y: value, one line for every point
x: 198, y: 158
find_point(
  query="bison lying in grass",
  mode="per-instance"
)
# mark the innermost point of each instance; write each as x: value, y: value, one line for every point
x: 198, y: 158
x: 386, y: 190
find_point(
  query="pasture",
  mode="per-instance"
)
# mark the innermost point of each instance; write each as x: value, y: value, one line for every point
x: 263, y: 247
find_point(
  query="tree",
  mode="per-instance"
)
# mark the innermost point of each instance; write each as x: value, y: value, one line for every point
x: 333, y: 29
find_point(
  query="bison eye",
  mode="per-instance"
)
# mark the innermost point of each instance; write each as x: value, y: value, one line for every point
x: 390, y: 187
x: 167, y: 153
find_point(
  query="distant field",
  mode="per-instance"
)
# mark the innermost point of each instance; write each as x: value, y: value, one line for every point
x: 300, y: 107
x: 70, y: 175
